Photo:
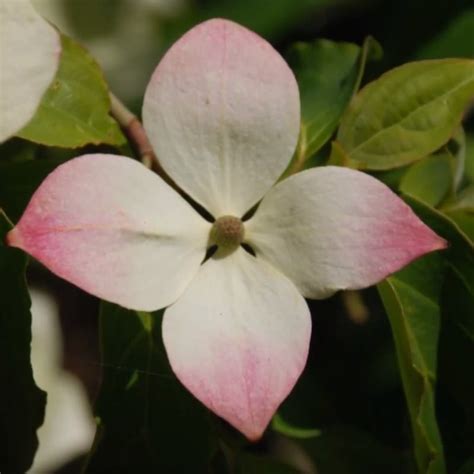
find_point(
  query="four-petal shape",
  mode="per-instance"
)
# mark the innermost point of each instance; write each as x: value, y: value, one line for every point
x: 222, y: 111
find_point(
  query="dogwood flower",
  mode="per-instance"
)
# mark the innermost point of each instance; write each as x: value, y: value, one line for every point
x: 29, y: 59
x: 222, y: 112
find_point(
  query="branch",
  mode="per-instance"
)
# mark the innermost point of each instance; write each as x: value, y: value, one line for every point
x: 133, y: 129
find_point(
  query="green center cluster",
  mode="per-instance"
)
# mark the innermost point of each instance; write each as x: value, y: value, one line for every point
x: 227, y: 232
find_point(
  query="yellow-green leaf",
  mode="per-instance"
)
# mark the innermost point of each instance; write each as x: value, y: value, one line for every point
x: 75, y: 109
x: 407, y: 113
x: 461, y: 210
x: 411, y: 299
x: 430, y: 179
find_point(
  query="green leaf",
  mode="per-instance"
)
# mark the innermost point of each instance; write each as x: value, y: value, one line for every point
x: 459, y: 255
x: 407, y: 113
x: 457, y: 342
x: 411, y: 299
x: 454, y: 41
x: 75, y: 109
x: 461, y: 211
x: 469, y: 164
x: 281, y: 426
x: 464, y: 200
x: 457, y: 148
x: 464, y: 220
x: 22, y: 403
x: 392, y: 178
x: 328, y: 74
x: 147, y: 421
x: 456, y: 348
x: 338, y: 156
x: 18, y: 181
x: 431, y: 179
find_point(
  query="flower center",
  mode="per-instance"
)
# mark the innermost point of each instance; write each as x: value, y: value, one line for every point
x: 227, y: 232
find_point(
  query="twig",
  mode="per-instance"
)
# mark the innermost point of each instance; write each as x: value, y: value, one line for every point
x: 133, y: 129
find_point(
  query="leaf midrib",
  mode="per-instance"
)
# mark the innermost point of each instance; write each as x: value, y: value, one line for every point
x: 413, y: 341
x: 406, y: 117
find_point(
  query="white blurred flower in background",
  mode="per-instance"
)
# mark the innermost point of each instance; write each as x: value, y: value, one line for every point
x: 29, y: 58
x: 68, y: 428
x: 128, y: 47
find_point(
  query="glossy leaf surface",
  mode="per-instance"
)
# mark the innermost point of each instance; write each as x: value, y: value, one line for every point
x: 144, y: 414
x: 407, y: 113
x: 75, y: 109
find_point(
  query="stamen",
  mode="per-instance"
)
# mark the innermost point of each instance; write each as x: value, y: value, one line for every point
x: 227, y: 232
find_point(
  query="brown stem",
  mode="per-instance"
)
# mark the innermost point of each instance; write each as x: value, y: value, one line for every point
x: 133, y: 129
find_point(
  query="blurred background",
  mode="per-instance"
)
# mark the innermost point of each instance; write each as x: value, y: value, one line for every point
x: 128, y: 37
x: 351, y: 389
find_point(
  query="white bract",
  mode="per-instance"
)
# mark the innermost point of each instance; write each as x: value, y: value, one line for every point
x: 29, y: 58
x: 67, y: 403
x: 222, y: 112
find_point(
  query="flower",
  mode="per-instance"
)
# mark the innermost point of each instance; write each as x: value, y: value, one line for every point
x: 222, y: 112
x: 67, y: 403
x: 27, y: 66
